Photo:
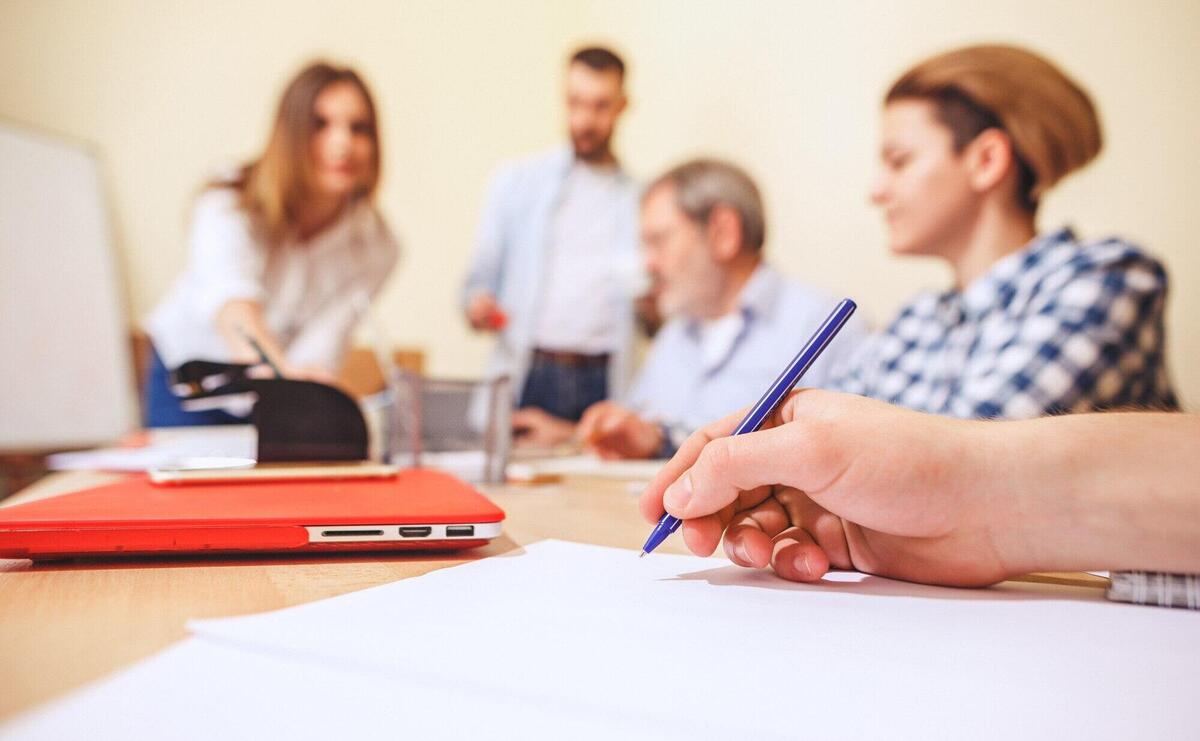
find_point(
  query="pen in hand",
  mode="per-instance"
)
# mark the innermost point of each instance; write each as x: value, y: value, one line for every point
x: 262, y: 355
x: 770, y: 400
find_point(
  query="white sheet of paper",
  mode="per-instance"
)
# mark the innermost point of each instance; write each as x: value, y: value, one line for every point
x: 528, y: 469
x: 201, y: 689
x: 573, y: 641
x: 167, y: 447
x: 599, y: 632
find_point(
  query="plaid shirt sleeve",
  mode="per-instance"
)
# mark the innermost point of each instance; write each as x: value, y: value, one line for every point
x: 1091, y: 338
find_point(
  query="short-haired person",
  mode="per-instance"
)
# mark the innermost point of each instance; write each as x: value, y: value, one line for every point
x: 284, y: 250
x: 840, y: 481
x: 555, y: 265
x: 733, y: 322
x: 1036, y: 322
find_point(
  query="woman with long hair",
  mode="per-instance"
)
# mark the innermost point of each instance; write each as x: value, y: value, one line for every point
x: 283, y: 252
x: 1037, y: 322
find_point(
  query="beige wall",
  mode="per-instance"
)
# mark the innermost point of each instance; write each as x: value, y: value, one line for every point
x: 169, y: 90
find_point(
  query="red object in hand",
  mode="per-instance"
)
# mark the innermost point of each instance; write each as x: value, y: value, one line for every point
x: 497, y: 320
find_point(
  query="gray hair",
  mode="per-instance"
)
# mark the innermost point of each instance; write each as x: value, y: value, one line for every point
x: 703, y: 184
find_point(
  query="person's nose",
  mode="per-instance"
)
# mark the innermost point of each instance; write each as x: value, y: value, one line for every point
x: 339, y: 141
x: 878, y: 193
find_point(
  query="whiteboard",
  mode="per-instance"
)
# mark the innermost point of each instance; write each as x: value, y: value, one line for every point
x: 66, y: 376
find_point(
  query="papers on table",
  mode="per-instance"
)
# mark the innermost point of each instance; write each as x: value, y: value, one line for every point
x: 583, y: 465
x: 164, y: 448
x: 573, y: 641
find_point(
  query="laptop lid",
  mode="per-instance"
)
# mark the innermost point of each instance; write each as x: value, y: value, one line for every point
x: 418, y: 508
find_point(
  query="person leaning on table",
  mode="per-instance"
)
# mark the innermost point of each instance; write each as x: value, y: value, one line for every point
x: 1037, y: 322
x: 283, y: 250
x: 840, y: 481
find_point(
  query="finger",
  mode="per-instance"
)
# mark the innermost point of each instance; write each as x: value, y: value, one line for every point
x: 613, y: 423
x: 592, y: 416
x: 650, y: 504
x: 702, y: 534
x: 797, y: 557
x: 730, y: 465
x: 748, y: 537
x: 826, y: 528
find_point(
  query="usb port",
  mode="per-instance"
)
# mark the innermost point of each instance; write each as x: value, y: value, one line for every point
x: 459, y: 531
x: 415, y: 532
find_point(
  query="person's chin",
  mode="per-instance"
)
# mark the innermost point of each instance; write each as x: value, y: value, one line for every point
x: 903, y: 245
x: 339, y: 187
x: 588, y: 151
x: 667, y: 307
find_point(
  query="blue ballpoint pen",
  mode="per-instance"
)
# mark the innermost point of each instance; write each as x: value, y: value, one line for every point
x: 771, y: 400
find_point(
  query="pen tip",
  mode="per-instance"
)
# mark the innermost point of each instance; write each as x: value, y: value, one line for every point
x: 642, y: 554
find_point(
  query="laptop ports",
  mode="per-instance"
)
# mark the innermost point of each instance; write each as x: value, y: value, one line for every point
x: 415, y: 532
x: 459, y: 531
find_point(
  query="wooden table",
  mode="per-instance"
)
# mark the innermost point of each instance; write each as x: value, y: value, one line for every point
x: 64, y: 624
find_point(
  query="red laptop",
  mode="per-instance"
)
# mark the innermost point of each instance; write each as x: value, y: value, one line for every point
x: 415, y: 509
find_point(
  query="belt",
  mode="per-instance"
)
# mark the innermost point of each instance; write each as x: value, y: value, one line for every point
x: 572, y: 359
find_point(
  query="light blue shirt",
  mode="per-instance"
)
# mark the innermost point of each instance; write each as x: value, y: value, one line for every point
x: 682, y: 389
x: 511, y: 254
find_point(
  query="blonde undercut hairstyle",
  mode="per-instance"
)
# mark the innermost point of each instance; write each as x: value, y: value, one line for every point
x: 1048, y: 117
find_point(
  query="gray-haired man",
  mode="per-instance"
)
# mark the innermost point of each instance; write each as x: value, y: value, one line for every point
x: 733, y: 321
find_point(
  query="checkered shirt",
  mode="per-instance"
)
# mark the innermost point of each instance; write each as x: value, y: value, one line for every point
x: 1057, y: 327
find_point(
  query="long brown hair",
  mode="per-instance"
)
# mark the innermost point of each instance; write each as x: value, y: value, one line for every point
x: 273, y: 187
x: 1048, y: 117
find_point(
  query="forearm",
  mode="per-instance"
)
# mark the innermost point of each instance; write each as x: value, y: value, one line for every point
x: 239, y: 318
x: 1096, y: 491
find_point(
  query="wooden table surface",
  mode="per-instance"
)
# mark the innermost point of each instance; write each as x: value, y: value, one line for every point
x: 66, y: 623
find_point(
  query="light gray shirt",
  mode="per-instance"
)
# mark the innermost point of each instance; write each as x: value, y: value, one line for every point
x: 510, y: 261
x: 695, y: 373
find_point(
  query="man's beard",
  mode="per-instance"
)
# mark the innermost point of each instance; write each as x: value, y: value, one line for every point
x: 590, y: 148
x: 694, y: 291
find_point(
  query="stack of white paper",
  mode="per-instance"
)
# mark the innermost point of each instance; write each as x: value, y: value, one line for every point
x: 573, y: 641
x: 166, y: 447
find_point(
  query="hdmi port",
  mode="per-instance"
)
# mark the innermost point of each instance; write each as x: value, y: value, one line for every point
x: 415, y: 532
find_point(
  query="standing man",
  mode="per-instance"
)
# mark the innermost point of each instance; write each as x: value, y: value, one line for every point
x: 555, y: 270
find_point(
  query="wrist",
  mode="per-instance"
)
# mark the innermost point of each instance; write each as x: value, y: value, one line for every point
x: 1031, y: 510
x: 647, y: 440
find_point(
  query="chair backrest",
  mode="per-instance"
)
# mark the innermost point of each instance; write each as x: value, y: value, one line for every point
x: 362, y: 376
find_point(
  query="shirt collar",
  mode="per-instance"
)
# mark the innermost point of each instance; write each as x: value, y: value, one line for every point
x: 564, y: 160
x: 755, y: 301
x: 995, y: 288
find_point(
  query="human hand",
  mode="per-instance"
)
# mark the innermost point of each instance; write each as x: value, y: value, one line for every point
x: 293, y: 372
x: 535, y: 427
x: 841, y: 481
x: 612, y: 431
x: 485, y: 314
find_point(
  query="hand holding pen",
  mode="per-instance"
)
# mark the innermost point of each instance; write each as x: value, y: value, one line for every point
x: 771, y: 399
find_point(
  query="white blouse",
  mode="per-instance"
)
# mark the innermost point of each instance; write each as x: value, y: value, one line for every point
x: 309, y: 290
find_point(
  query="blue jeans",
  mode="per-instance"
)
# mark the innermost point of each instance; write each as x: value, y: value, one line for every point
x: 163, y: 407
x: 564, y: 390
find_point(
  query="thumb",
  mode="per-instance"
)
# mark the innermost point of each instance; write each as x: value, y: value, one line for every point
x: 729, y: 466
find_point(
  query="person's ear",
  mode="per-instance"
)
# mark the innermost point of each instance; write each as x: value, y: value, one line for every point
x: 990, y: 159
x: 724, y: 232
x: 622, y: 104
